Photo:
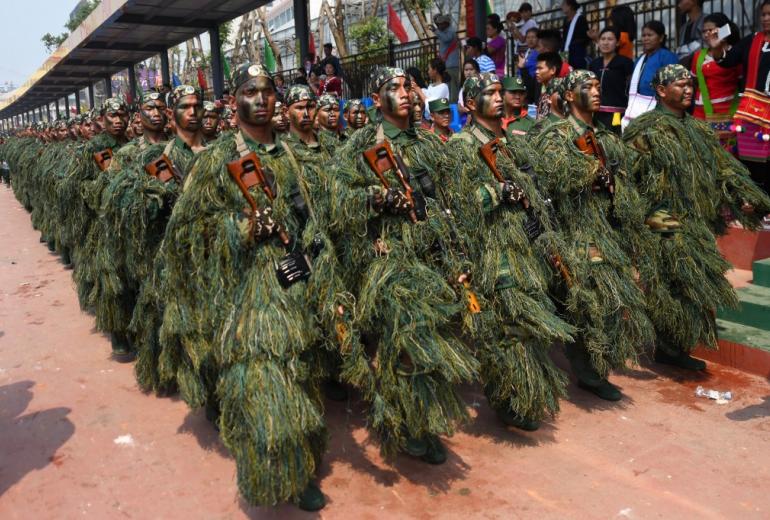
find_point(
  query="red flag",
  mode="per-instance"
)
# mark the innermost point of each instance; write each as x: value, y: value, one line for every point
x: 395, y: 25
x: 202, y: 80
x: 311, y: 45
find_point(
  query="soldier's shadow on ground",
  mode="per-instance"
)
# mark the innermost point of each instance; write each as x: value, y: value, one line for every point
x: 196, y: 424
x: 28, y: 442
x: 753, y: 411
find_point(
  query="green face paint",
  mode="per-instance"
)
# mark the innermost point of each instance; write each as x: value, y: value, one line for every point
x: 153, y: 116
x: 188, y: 113
x: 255, y: 101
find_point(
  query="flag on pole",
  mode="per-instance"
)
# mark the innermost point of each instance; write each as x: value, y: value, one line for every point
x: 175, y: 81
x: 311, y: 44
x: 395, y: 25
x: 269, y: 58
x: 489, y: 8
x: 225, y: 67
x: 202, y: 83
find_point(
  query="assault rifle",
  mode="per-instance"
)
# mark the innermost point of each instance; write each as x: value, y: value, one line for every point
x: 381, y: 159
x: 163, y: 169
x: 103, y: 159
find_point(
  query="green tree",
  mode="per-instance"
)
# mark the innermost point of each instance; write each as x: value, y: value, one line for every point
x: 52, y: 41
x: 369, y: 34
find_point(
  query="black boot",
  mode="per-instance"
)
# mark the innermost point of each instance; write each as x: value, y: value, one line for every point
x: 511, y: 418
x: 682, y: 360
x: 334, y: 390
x: 604, y: 390
x: 311, y: 499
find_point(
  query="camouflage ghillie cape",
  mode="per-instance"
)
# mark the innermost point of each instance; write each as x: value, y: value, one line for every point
x: 80, y: 197
x: 601, y: 299
x: 518, y: 322
x: 330, y: 141
x: 679, y: 167
x: 51, y: 218
x: 398, y: 349
x: 40, y: 178
x: 132, y: 220
x: 22, y: 159
x: 231, y: 334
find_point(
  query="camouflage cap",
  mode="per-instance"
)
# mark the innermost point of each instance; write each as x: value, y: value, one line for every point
x: 297, y: 93
x: 351, y: 103
x: 210, y: 106
x: 113, y: 104
x: 246, y: 71
x: 514, y: 84
x: 182, y: 91
x: 474, y: 85
x: 60, y: 123
x: 328, y: 101
x: 576, y: 78
x: 384, y: 74
x: 152, y: 96
x: 73, y: 121
x: 668, y: 74
x: 555, y: 86
x: 438, y: 105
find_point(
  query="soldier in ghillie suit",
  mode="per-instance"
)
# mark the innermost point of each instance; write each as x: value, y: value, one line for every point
x: 354, y: 113
x: 210, y: 121
x: 239, y: 322
x: 44, y: 176
x: 599, y: 216
x: 146, y: 179
x: 280, y: 119
x: 328, y: 120
x: 80, y: 194
x: 394, y: 242
x: 498, y: 200
x: 689, y: 184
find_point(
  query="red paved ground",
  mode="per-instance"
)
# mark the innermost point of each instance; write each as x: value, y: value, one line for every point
x: 79, y: 440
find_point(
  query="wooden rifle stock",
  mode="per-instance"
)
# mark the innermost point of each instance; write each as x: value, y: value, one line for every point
x: 488, y: 153
x: 589, y: 145
x: 163, y: 169
x: 103, y: 158
x: 380, y: 159
x: 247, y: 172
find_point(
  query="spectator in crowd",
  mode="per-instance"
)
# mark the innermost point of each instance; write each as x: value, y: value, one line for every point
x: 622, y: 19
x: 470, y: 70
x: 449, y: 50
x: 438, y: 88
x: 641, y: 96
x: 527, y: 64
x: 525, y: 24
x: 751, y: 52
x: 301, y: 78
x: 550, y: 41
x: 474, y: 50
x: 331, y: 84
x: 309, y: 63
x: 575, y: 34
x: 548, y: 64
x: 331, y: 58
x: 280, y: 86
x: 717, y: 88
x: 496, y: 43
x: 314, y: 80
x: 691, y: 32
x: 614, y: 73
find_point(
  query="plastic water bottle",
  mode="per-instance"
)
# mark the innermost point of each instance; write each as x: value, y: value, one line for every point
x: 713, y: 394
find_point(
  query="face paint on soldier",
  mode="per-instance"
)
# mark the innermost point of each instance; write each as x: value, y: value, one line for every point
x: 328, y: 117
x: 62, y: 133
x: 586, y: 97
x: 393, y: 98
x: 116, y: 122
x: 153, y: 115
x: 490, y: 102
x: 210, y: 124
x: 281, y: 120
x: 255, y: 101
x: 418, y: 108
x: 677, y: 95
x: 356, y: 117
x: 136, y: 125
x: 302, y: 115
x: 188, y: 112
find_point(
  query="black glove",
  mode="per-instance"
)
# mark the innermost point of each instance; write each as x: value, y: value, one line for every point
x: 395, y: 201
x: 603, y: 180
x: 262, y: 224
x: 511, y: 193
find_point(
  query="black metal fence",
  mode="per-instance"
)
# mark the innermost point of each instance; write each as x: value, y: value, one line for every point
x: 358, y: 68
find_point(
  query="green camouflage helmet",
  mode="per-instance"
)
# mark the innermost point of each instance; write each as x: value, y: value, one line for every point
x: 668, y: 74
x: 475, y: 85
x: 384, y: 74
x: 152, y: 96
x: 351, y: 103
x: 576, y: 78
x: 113, y: 104
x: 182, y: 91
x: 246, y: 71
x: 328, y: 101
x: 210, y: 106
x: 297, y: 93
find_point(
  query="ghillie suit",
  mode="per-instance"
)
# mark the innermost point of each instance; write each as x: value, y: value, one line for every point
x: 684, y: 174
x: 518, y: 322
x: 135, y: 208
x: 399, y: 350
x: 23, y: 161
x: 599, y: 229
x: 232, y: 336
x: 80, y: 197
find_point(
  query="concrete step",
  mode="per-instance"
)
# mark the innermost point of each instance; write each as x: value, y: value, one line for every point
x: 761, y: 269
x: 753, y: 310
x: 744, y: 335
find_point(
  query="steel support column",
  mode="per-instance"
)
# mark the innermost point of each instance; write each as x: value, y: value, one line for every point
x: 108, y: 86
x: 77, y: 101
x: 132, y: 83
x: 91, y: 96
x: 302, y: 28
x: 480, y: 18
x: 217, y: 73
x: 67, y: 106
x: 165, y: 71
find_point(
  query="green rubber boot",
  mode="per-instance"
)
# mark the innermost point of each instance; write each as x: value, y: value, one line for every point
x: 311, y: 498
